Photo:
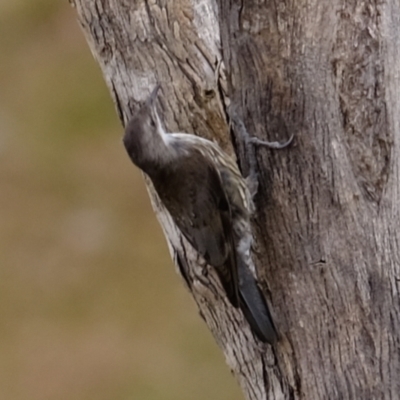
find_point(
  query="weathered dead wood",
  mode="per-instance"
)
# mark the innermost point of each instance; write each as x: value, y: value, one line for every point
x: 327, y: 221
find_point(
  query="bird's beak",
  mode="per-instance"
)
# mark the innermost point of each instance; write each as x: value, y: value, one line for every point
x: 153, y: 95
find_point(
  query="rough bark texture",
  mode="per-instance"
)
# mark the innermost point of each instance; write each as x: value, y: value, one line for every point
x: 328, y: 209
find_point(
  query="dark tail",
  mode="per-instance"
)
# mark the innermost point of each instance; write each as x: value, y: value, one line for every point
x: 254, y: 306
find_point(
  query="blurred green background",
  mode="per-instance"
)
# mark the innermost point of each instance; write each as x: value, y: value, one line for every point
x: 90, y: 304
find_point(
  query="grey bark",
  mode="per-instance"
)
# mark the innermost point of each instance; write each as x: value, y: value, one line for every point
x: 328, y: 209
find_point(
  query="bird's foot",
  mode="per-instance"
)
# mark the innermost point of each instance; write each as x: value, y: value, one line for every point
x: 272, y: 145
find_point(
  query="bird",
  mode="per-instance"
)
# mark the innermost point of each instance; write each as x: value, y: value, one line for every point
x: 208, y: 199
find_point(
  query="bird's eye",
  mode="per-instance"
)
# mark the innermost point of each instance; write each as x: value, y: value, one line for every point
x: 152, y: 123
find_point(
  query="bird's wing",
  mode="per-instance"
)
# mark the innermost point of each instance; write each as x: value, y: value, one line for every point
x: 228, y: 272
x: 206, y: 222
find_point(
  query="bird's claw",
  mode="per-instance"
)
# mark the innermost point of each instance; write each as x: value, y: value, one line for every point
x: 271, y: 145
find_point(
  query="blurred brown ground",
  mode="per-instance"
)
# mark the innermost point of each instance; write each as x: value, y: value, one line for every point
x: 90, y: 304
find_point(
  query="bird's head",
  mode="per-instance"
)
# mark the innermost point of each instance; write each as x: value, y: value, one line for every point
x: 143, y: 133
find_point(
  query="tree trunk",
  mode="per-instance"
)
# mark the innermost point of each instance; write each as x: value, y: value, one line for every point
x: 328, y: 209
